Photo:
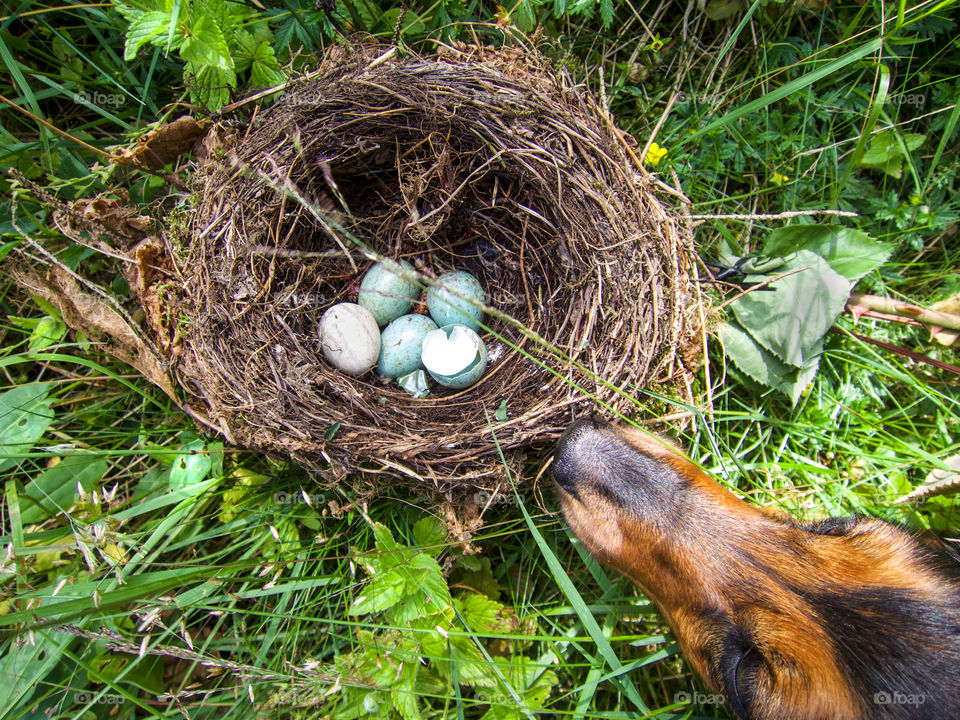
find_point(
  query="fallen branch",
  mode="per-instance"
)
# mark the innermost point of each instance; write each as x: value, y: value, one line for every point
x: 858, y: 304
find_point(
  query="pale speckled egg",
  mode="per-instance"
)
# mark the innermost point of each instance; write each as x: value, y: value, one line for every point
x: 455, y: 356
x: 401, y: 343
x: 388, y: 290
x: 350, y: 338
x: 455, y: 299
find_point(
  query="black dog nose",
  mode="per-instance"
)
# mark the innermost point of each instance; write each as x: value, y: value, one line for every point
x: 573, y: 448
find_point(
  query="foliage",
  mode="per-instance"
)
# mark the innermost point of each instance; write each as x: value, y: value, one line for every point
x: 230, y: 579
x: 219, y: 41
x: 434, y: 647
x: 805, y: 274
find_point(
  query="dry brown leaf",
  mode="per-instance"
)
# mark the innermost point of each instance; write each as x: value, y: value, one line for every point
x: 165, y: 144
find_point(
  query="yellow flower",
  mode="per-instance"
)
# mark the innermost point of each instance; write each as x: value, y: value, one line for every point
x: 779, y: 179
x: 655, y: 154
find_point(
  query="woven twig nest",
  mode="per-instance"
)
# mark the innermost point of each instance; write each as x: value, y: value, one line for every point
x: 476, y: 160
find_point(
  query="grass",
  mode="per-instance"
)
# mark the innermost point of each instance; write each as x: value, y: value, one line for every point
x: 196, y: 579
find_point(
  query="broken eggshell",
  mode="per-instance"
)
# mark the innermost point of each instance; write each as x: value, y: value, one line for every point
x: 349, y: 338
x: 401, y: 344
x: 388, y: 290
x: 456, y: 298
x: 455, y: 356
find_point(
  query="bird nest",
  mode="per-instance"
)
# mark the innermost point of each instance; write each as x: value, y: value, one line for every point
x: 472, y: 159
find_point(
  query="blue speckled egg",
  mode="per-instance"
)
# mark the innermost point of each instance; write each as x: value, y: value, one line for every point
x: 455, y: 299
x: 388, y: 290
x: 455, y: 356
x: 401, y: 343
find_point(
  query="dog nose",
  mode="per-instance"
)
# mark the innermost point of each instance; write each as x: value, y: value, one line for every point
x: 573, y: 449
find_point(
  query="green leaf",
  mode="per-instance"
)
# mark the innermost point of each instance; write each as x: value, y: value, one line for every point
x: 484, y: 615
x: 747, y: 354
x: 23, y: 669
x: 49, y: 331
x: 55, y: 489
x: 722, y: 9
x: 791, y: 318
x: 430, y: 535
x: 480, y: 578
x: 190, y: 468
x: 206, y: 47
x: 606, y: 12
x: 524, y: 17
x: 381, y: 594
x: 25, y: 415
x: 851, y: 253
x: 885, y: 146
x: 209, y: 86
x: 471, y: 666
x: 265, y: 70
x: 426, y: 591
x: 143, y: 29
x: 403, y: 693
x: 762, y: 366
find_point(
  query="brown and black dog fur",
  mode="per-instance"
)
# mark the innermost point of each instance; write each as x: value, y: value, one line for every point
x: 843, y: 619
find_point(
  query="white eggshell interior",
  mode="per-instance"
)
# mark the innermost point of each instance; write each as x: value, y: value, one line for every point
x: 445, y: 355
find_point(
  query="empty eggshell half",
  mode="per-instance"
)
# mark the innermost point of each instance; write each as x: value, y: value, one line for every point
x: 455, y: 356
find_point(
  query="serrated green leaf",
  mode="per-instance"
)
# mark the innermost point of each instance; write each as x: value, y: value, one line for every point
x: 471, y: 666
x: 751, y: 359
x: 606, y: 12
x: 143, y: 29
x: 129, y: 13
x: 430, y: 535
x: 209, y: 86
x: 265, y: 70
x: 851, y: 253
x: 791, y: 317
x: 206, y: 47
x: 382, y: 593
x: 25, y: 415
x: 484, y: 615
x: 403, y: 692
x: 55, y: 489
x: 480, y: 578
x: 426, y: 592
x: 885, y: 147
x: 49, y: 331
x: 761, y: 365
